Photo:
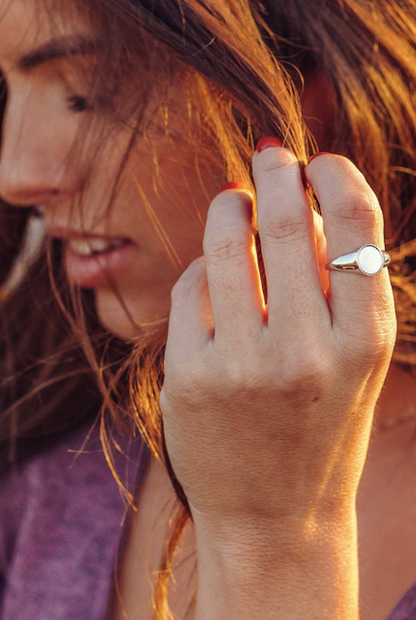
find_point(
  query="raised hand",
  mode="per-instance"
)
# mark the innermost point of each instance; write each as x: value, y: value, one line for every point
x: 268, y: 410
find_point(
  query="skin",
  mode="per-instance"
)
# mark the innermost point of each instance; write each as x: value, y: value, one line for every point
x: 315, y: 343
x: 350, y: 334
x: 38, y: 132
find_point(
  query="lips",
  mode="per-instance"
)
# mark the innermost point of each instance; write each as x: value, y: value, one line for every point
x: 94, y: 261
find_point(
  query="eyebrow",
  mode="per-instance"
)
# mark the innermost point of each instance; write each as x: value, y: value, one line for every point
x: 57, y: 48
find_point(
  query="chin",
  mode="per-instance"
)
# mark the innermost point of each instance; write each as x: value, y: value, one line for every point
x: 121, y: 317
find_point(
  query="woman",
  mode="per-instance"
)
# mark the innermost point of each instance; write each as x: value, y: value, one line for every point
x: 122, y: 121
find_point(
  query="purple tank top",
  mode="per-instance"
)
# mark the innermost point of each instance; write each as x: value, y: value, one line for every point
x: 61, y: 526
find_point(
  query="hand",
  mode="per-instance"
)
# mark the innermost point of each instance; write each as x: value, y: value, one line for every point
x: 268, y: 410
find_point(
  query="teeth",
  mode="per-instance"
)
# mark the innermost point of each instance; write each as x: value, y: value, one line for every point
x: 94, y: 246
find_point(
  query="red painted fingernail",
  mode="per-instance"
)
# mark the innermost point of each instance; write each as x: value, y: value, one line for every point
x: 268, y: 142
x: 317, y: 155
x: 233, y: 185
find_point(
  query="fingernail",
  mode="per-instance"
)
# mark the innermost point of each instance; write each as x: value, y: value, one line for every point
x: 268, y: 142
x: 233, y: 185
x: 317, y: 155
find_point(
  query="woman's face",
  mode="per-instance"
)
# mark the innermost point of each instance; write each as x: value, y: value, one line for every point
x: 132, y: 253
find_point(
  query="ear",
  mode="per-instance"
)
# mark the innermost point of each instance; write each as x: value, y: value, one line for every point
x: 319, y: 106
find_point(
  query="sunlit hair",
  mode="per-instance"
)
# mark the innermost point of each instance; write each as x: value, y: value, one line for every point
x: 243, y: 63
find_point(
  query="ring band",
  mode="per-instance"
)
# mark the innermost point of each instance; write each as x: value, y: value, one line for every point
x: 368, y: 260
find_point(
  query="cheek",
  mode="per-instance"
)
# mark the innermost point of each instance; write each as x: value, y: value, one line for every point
x: 175, y: 217
x: 168, y: 225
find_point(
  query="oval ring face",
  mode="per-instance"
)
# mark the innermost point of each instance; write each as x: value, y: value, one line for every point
x: 370, y: 260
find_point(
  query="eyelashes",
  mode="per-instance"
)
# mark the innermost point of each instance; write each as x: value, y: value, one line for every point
x: 78, y: 104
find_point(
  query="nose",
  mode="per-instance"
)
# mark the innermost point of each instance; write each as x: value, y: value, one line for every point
x: 31, y: 167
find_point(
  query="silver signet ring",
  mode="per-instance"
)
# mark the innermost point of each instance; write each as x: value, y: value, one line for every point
x: 368, y: 260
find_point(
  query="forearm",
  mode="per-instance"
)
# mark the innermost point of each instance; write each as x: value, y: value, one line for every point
x: 250, y: 574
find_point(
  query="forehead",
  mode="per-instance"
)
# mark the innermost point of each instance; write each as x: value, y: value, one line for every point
x: 29, y: 24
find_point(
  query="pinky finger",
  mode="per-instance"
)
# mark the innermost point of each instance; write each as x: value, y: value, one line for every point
x: 191, y: 324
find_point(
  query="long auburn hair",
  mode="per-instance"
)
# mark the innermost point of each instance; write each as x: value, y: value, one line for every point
x: 245, y: 63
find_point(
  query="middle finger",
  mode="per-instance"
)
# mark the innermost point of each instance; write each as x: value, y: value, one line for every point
x: 286, y: 228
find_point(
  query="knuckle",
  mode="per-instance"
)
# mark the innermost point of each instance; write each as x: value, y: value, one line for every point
x: 237, y: 376
x: 225, y: 245
x: 305, y: 374
x: 360, y: 212
x: 285, y: 226
x: 368, y: 348
x: 364, y: 355
x: 242, y: 378
x: 373, y: 347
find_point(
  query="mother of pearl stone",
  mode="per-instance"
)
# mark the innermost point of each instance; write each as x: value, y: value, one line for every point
x: 370, y: 260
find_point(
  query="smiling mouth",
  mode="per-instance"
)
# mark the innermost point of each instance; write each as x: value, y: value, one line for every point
x: 86, y: 244
x: 93, y: 247
x: 92, y: 262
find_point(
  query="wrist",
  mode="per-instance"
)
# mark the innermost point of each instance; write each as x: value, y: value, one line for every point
x: 309, y: 571
x: 287, y: 527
